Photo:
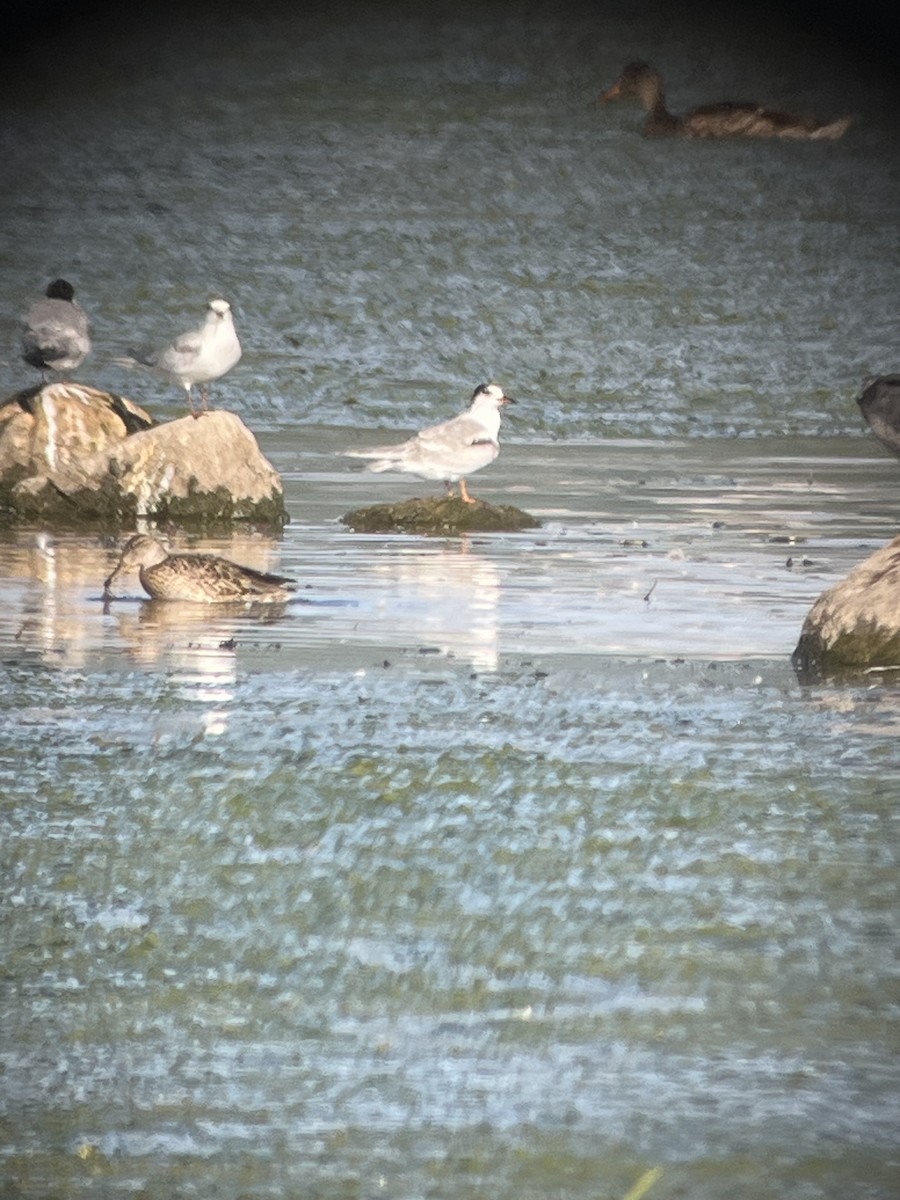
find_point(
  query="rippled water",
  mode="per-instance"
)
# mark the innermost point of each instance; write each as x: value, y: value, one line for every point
x: 511, y: 866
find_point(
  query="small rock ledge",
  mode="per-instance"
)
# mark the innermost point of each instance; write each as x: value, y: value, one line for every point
x: 441, y: 516
x: 74, y: 456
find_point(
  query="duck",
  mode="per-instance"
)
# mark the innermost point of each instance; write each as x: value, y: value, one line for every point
x: 879, y: 402
x: 201, y: 578
x: 642, y: 82
x: 199, y: 356
x: 55, y: 331
x: 451, y: 450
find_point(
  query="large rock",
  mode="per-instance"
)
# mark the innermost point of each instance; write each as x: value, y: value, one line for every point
x: 855, y: 625
x: 72, y: 455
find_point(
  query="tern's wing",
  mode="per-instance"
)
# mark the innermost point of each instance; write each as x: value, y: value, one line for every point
x: 454, y: 434
x: 460, y: 431
x: 381, y: 451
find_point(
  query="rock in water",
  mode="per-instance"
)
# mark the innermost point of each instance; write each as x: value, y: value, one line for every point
x: 70, y: 455
x: 439, y: 516
x: 855, y: 625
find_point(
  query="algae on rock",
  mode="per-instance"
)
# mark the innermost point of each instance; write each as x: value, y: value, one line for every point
x: 443, y: 516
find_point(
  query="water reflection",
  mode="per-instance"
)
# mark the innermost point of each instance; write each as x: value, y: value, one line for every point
x: 46, y: 608
x: 445, y: 600
x: 53, y: 611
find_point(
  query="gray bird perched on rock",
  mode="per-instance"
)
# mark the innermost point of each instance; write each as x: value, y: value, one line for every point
x: 55, y: 331
x: 199, y: 356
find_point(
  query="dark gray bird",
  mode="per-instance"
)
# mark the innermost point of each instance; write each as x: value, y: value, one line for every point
x: 880, y: 405
x: 55, y: 331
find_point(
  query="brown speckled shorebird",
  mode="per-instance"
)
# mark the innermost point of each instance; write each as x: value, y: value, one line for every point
x: 729, y: 118
x: 203, y: 578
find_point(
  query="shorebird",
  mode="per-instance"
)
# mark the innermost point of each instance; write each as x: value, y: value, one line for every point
x: 55, y: 331
x: 197, y: 357
x: 879, y: 402
x: 450, y: 451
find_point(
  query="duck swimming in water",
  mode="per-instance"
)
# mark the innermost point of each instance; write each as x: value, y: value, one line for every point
x: 639, y: 81
x: 203, y: 578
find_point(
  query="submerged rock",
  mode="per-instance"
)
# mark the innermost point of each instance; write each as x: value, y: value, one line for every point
x: 72, y: 455
x: 855, y: 625
x: 441, y: 516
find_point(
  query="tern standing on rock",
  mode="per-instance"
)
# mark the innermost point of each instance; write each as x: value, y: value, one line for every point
x: 55, y: 331
x: 198, y: 357
x: 449, y: 451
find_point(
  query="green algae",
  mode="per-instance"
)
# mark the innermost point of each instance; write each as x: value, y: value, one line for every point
x: 442, y: 516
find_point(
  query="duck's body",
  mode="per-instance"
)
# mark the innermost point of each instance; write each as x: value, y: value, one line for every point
x: 641, y: 82
x: 55, y: 332
x: 880, y: 405
x: 197, y: 357
x: 201, y: 578
x: 451, y: 450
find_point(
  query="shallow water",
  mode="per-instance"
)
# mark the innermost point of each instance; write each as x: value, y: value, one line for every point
x: 500, y: 866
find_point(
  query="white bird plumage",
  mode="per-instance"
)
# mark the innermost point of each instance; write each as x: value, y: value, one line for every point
x: 451, y: 450
x: 197, y: 357
x: 55, y: 332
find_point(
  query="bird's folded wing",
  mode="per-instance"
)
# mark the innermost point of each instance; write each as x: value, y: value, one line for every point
x: 188, y: 345
x: 460, y: 431
x: 380, y: 451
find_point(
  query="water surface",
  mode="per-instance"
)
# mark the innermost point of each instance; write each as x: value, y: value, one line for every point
x: 508, y: 866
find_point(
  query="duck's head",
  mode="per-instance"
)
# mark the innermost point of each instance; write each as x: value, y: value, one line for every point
x: 639, y: 81
x: 139, y: 551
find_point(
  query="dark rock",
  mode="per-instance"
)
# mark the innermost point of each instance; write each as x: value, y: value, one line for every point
x: 441, y: 516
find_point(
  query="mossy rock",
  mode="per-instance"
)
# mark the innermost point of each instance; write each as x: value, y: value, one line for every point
x: 219, y: 509
x: 853, y: 654
x: 441, y: 516
x: 109, y: 508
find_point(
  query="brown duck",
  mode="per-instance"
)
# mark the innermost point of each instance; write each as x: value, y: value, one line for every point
x: 201, y: 578
x: 639, y: 81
